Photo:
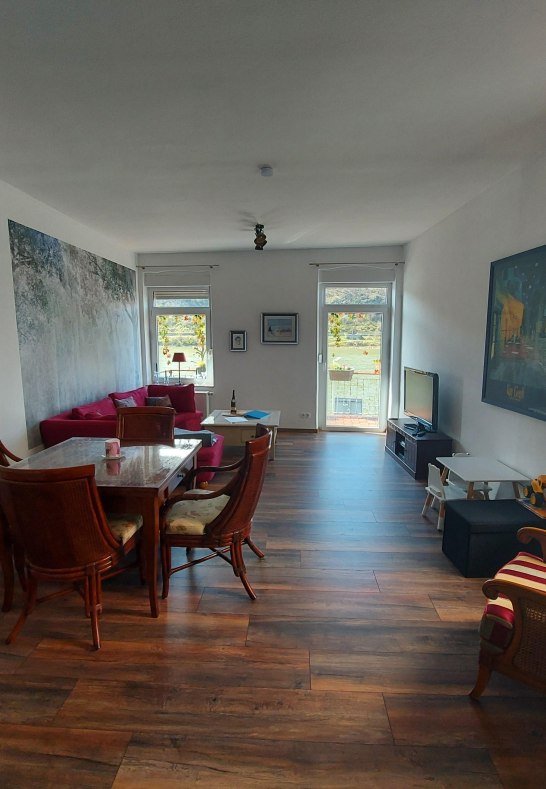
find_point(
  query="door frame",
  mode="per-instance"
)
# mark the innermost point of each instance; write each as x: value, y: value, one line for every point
x: 386, y: 345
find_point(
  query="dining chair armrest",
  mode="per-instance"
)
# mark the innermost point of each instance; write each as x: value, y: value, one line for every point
x: 5, y: 453
x: 192, y: 473
x: 520, y: 595
x: 528, y: 533
x: 231, y: 467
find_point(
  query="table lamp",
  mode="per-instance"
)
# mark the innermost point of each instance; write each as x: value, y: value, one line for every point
x: 179, y: 357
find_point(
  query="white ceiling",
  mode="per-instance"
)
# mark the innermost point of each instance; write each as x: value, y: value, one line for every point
x: 148, y: 119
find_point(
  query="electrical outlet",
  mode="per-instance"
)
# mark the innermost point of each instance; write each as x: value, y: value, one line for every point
x: 305, y: 415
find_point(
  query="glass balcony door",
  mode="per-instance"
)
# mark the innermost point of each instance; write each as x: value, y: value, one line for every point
x: 354, y: 372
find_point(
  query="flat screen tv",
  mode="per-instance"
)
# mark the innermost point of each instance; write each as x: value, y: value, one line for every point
x: 421, y: 398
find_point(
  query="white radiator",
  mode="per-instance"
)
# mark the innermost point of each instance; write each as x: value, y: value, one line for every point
x: 203, y: 402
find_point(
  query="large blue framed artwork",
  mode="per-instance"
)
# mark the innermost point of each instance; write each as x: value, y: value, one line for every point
x: 77, y: 323
x: 515, y: 347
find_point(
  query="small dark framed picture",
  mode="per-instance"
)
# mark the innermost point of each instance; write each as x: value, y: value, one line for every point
x: 237, y: 340
x: 280, y: 328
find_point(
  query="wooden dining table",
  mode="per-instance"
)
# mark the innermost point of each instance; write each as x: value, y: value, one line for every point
x: 138, y: 483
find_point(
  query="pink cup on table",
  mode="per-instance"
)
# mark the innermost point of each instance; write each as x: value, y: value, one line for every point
x: 113, y: 468
x: 112, y: 448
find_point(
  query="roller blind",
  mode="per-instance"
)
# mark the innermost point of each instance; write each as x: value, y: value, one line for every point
x: 355, y: 274
x: 176, y: 278
x: 181, y: 297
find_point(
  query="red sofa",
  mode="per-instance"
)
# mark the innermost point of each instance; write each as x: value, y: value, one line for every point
x: 98, y: 420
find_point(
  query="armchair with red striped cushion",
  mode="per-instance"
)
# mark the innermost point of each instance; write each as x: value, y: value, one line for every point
x: 513, y: 625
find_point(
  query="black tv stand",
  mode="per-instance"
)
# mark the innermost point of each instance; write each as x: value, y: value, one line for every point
x: 415, y: 450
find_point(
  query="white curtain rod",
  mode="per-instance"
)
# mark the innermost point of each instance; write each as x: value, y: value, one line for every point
x: 353, y: 265
x: 174, y: 265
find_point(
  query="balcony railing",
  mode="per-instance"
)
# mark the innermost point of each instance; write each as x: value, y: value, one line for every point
x: 354, y: 401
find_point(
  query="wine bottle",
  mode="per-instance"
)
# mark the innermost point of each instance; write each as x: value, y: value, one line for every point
x: 233, y: 407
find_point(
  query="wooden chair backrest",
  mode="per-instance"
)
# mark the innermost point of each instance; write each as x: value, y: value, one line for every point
x: 57, y: 516
x: 247, y: 487
x: 6, y: 456
x: 145, y: 425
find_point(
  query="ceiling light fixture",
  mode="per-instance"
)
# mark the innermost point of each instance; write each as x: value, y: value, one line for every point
x: 266, y: 170
x: 260, y: 241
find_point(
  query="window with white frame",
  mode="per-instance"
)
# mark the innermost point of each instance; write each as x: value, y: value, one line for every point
x: 180, y: 324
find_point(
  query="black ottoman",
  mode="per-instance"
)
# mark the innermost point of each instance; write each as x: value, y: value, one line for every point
x: 480, y: 536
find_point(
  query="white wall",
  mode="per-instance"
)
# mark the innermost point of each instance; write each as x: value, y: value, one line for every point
x: 18, y: 206
x: 245, y: 284
x: 445, y: 308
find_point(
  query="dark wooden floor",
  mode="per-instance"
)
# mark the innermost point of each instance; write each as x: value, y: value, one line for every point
x: 350, y: 670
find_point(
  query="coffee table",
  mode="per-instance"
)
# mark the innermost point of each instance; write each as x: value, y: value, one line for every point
x: 236, y: 434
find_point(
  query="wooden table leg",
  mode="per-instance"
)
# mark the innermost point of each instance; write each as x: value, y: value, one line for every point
x: 6, y: 561
x: 150, y: 545
x: 470, y: 491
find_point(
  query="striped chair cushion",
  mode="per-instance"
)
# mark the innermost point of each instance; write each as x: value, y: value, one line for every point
x: 124, y: 526
x: 191, y: 517
x: 496, y: 627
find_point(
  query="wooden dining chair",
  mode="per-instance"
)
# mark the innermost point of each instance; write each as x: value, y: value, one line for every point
x: 221, y: 520
x: 6, y: 543
x: 145, y: 425
x: 56, y: 517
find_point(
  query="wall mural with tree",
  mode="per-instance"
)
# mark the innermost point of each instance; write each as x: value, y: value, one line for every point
x: 77, y: 322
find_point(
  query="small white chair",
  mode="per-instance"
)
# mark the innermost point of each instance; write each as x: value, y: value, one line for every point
x: 481, y: 488
x: 437, y: 491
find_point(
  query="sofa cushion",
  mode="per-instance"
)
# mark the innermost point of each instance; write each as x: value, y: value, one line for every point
x: 162, y: 401
x: 125, y: 402
x: 182, y: 397
x: 139, y: 395
x: 99, y: 408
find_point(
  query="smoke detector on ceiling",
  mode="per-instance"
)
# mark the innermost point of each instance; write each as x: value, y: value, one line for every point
x: 266, y: 170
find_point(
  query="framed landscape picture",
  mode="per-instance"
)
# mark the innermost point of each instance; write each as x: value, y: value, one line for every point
x: 237, y: 340
x: 280, y: 328
x: 514, y: 374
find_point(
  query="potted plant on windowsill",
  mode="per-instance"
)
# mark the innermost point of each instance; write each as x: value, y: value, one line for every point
x: 340, y: 372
